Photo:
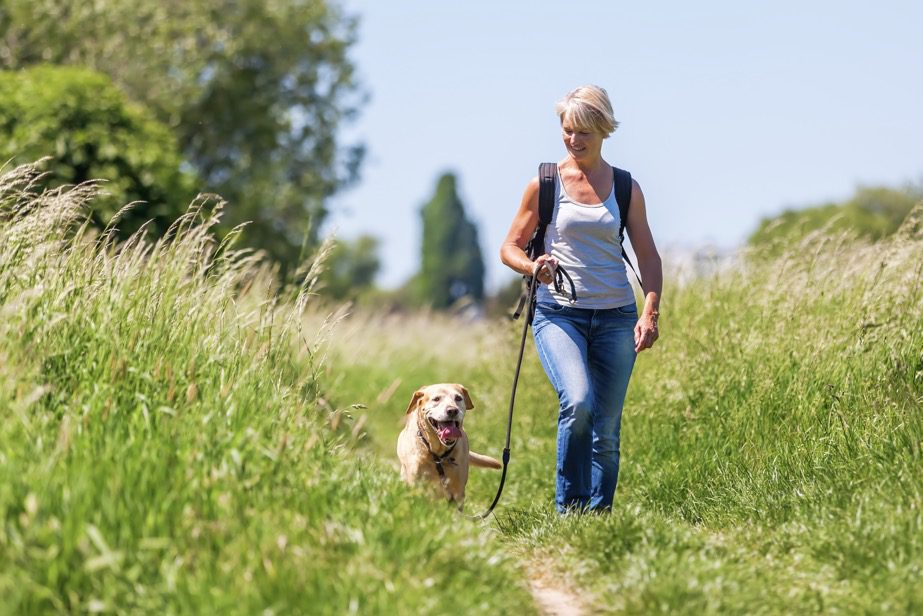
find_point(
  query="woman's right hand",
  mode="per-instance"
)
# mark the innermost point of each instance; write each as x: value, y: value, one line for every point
x: 543, y: 268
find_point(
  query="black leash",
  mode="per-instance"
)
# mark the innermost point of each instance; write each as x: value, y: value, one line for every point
x: 560, y: 274
x: 528, y: 298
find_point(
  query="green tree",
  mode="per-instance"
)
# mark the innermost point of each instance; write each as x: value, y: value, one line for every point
x: 451, y: 264
x: 350, y: 268
x: 873, y: 213
x: 255, y: 90
x: 88, y: 128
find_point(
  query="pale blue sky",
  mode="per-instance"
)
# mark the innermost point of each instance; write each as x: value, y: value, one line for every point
x: 730, y: 111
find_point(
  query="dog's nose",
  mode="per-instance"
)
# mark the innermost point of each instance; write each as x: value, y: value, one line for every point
x: 451, y: 411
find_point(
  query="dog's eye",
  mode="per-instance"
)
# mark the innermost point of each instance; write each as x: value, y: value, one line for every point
x: 458, y: 398
x: 437, y: 398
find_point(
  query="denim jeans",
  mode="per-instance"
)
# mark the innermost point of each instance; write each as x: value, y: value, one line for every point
x: 588, y: 355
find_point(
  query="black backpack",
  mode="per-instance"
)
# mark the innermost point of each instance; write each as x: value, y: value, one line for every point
x: 546, y: 203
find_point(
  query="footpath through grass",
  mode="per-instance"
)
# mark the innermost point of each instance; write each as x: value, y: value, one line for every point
x: 772, y: 444
x: 177, y: 437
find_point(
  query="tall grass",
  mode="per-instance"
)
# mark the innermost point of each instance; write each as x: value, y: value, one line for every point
x: 167, y: 446
x: 771, y: 444
x: 180, y: 435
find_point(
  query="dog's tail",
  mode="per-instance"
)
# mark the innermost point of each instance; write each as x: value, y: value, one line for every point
x: 477, y: 459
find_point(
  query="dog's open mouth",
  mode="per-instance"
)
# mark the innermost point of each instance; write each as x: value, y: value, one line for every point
x: 447, y: 431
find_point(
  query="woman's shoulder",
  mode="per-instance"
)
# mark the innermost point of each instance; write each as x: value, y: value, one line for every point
x: 636, y: 190
x: 532, y: 187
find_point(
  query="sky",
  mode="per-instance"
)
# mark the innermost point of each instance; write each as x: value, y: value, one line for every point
x: 729, y: 111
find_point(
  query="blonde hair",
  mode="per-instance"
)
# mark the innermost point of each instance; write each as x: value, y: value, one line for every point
x: 588, y: 107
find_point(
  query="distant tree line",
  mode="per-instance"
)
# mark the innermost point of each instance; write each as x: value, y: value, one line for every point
x: 872, y: 213
x: 246, y: 99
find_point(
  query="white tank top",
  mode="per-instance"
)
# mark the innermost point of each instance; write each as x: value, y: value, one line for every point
x: 584, y: 238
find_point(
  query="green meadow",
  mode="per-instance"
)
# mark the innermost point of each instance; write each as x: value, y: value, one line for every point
x: 181, y: 435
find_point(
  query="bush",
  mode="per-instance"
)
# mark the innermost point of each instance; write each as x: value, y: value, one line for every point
x: 90, y: 131
x: 872, y: 213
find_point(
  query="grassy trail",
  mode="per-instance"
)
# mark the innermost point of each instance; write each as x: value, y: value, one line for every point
x: 771, y: 458
x: 179, y: 436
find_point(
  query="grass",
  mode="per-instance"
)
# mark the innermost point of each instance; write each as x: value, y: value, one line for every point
x: 166, y: 446
x: 181, y: 436
x: 772, y: 442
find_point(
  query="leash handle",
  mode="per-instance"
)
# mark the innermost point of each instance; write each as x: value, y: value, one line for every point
x: 560, y: 275
x: 558, y: 279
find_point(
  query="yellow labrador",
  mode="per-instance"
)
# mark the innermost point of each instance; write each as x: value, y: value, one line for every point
x: 433, y: 446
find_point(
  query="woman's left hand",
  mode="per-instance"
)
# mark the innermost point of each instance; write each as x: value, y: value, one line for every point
x: 646, y: 333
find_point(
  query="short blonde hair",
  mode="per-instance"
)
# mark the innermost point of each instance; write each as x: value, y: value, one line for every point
x: 588, y: 107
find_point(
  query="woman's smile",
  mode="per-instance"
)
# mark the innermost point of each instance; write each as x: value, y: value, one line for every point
x: 579, y: 140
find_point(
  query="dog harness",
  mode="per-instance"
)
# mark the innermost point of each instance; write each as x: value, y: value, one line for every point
x: 439, y: 461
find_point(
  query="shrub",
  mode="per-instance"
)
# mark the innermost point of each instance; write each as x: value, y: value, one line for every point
x: 90, y: 131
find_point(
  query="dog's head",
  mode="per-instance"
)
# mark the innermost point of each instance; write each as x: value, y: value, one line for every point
x: 441, y: 410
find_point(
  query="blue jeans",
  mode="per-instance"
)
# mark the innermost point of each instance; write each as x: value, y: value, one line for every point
x: 588, y: 355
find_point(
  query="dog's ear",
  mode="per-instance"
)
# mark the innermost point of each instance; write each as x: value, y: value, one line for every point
x: 468, y: 404
x: 414, y: 401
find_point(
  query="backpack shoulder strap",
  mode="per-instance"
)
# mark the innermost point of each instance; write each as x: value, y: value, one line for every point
x: 547, y: 172
x: 546, y: 183
x: 622, y: 181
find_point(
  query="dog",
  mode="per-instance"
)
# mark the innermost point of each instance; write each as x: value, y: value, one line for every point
x: 433, y: 446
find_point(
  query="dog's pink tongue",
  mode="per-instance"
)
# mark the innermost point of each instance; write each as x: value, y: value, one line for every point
x: 449, y: 432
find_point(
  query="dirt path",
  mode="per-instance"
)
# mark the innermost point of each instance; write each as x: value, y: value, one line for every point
x: 553, y: 600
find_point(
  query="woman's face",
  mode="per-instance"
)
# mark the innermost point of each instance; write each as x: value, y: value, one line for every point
x: 580, y: 141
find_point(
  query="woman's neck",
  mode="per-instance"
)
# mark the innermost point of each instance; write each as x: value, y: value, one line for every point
x: 588, y: 166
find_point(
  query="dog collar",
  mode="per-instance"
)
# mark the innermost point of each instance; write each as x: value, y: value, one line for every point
x: 438, y: 460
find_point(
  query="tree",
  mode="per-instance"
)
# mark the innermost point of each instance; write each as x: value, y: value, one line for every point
x: 350, y: 268
x: 90, y: 131
x: 255, y: 90
x: 451, y: 264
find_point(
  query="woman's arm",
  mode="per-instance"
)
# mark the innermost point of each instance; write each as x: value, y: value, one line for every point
x: 649, y: 266
x: 512, y: 251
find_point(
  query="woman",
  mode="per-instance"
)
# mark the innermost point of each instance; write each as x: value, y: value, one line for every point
x: 588, y: 349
